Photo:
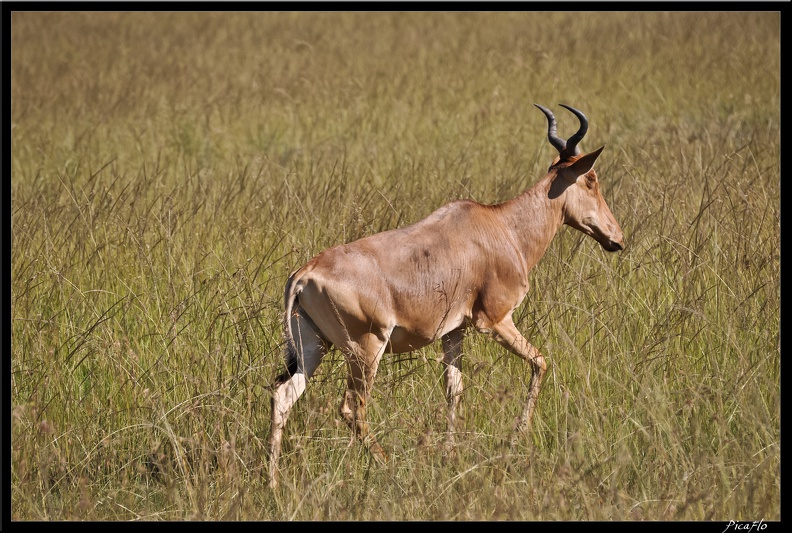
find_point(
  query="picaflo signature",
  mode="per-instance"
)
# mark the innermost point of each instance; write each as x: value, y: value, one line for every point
x: 758, y: 525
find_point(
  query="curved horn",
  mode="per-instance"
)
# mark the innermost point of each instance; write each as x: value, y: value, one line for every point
x: 572, y: 142
x: 552, y: 130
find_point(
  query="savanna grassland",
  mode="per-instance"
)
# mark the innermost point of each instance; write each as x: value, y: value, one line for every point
x: 168, y: 171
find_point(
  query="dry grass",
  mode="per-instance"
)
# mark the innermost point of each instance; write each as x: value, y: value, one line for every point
x: 170, y: 169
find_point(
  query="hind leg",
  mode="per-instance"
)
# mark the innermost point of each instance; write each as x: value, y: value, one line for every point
x: 363, y: 363
x: 302, y: 360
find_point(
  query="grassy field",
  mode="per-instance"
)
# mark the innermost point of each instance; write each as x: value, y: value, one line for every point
x: 170, y: 169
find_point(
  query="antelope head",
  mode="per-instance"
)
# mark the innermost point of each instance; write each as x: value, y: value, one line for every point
x: 574, y: 182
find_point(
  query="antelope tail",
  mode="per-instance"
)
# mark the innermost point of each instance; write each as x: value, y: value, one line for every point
x: 290, y: 298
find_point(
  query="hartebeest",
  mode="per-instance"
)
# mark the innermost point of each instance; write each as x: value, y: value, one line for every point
x: 465, y: 265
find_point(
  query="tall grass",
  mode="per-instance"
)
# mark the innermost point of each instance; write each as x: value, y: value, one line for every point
x: 170, y: 169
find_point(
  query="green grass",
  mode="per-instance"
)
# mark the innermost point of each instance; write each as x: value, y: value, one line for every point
x: 170, y: 169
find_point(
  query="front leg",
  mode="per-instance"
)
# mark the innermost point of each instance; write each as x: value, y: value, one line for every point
x: 452, y: 375
x: 507, y: 335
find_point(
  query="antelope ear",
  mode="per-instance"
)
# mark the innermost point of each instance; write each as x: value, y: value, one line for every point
x: 585, y: 162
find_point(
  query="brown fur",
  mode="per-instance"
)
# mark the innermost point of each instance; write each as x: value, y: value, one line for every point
x: 465, y: 266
